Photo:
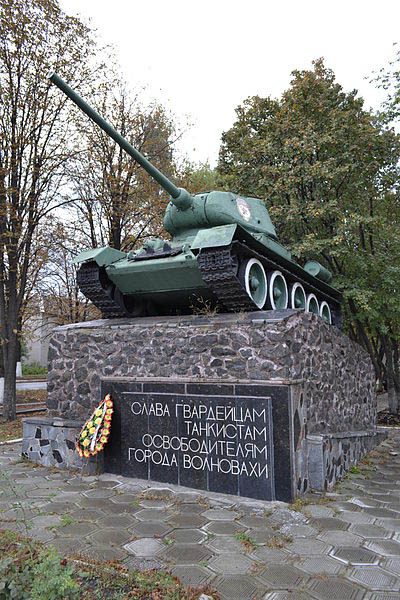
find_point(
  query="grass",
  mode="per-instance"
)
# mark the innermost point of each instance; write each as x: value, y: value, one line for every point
x: 355, y: 470
x: 33, y: 369
x: 31, y: 567
x: 247, y: 542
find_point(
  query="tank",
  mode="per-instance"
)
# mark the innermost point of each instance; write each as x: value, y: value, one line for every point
x: 223, y: 251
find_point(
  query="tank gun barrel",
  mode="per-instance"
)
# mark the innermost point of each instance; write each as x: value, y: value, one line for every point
x: 180, y: 197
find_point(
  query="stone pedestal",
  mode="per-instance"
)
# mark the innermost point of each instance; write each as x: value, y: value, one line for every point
x: 326, y: 379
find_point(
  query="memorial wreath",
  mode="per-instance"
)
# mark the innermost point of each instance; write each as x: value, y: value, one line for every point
x: 94, y: 434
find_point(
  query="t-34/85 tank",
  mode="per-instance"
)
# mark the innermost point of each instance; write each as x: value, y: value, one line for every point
x: 224, y: 250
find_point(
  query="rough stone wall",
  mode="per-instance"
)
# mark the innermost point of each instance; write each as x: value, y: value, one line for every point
x: 337, y: 375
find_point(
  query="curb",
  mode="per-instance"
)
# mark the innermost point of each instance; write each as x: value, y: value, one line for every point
x: 16, y: 441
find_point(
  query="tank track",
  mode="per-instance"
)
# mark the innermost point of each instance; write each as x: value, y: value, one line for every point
x: 219, y: 266
x: 89, y: 282
x: 218, y: 269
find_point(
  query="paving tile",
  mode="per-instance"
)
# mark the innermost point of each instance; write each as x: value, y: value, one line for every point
x: 335, y: 588
x: 392, y: 565
x: 152, y: 514
x: 41, y: 535
x: 375, y: 578
x: 253, y: 522
x: 121, y: 509
x: 384, y: 547
x: 317, y: 510
x: 150, y: 528
x: 46, y: 521
x: 187, y: 496
x: 261, y: 536
x: 189, y: 508
x: 107, y: 484
x: 356, y: 517
x: 187, y: 554
x: 78, y: 529
x: 99, y: 503
x: 381, y: 512
x: 145, y: 547
x: 231, y: 563
x: 72, y: 545
x: 364, y: 502
x: 124, y: 498
x: 193, y: 576
x: 188, y: 521
x: 103, y: 552
x: 77, y: 486
x: 389, y: 524
x: 267, y: 555
x: 329, y: 523
x: 235, y: 587
x: 60, y: 508
x: 340, y: 538
x: 286, y: 595
x: 381, y: 596
x: 224, y: 544
x: 155, y: 504
x: 220, y: 514
x: 369, y: 531
x: 86, y: 514
x: 43, y: 493
x: 320, y: 565
x: 355, y: 556
x: 305, y: 547
x: 94, y: 493
x: 159, y: 493
x: 282, y: 516
x: 223, y: 527
x: 111, y: 536
x: 298, y: 530
x: 187, y: 536
x: 123, y: 520
x: 282, y: 576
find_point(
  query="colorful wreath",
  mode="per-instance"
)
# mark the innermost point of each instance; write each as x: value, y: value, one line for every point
x: 94, y: 434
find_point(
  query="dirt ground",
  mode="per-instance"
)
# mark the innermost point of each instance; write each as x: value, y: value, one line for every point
x: 13, y: 429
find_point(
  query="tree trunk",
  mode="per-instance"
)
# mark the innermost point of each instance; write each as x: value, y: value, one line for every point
x: 393, y: 398
x: 9, y: 402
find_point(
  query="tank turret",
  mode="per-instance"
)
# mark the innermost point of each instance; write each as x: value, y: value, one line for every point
x: 224, y: 251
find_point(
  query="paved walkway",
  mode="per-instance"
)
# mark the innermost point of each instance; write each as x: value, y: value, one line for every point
x: 345, y: 546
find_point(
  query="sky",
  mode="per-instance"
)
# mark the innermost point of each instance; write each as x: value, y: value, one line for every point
x: 202, y: 59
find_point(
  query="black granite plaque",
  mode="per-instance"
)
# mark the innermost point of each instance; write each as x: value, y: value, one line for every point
x: 227, y: 438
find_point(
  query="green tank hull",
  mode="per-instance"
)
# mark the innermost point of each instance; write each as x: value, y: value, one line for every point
x: 224, y: 252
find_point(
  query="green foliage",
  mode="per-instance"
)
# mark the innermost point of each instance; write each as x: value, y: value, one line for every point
x: 38, y: 578
x: 329, y: 171
x: 33, y: 368
x: 30, y: 571
x: 52, y: 580
x: 199, y: 177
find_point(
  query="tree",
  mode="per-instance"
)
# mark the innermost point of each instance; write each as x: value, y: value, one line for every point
x: 328, y: 170
x: 117, y: 202
x: 35, y: 146
x: 57, y: 287
x: 199, y: 177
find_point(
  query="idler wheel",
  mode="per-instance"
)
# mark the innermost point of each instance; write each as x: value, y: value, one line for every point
x: 297, y: 296
x: 254, y: 280
x: 325, y: 312
x: 278, y: 291
x: 312, y: 304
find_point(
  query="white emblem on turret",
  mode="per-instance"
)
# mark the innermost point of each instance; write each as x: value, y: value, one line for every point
x: 243, y: 208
